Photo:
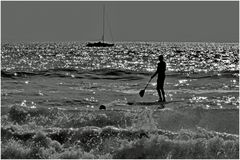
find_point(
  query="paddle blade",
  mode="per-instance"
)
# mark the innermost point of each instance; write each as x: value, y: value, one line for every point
x: 141, y: 93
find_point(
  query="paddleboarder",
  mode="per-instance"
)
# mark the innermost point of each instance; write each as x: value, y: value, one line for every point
x: 161, y: 68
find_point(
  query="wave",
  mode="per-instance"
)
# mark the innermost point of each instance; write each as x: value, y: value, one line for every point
x: 53, y: 133
x: 44, y: 133
x: 116, y: 143
x: 221, y: 120
x: 73, y: 73
x: 108, y: 73
x: 168, y: 120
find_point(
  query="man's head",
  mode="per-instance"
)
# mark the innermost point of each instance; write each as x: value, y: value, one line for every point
x: 160, y: 58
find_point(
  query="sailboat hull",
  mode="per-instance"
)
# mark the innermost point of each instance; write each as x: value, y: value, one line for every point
x: 99, y: 44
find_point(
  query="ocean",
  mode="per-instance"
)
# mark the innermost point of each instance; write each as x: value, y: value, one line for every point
x: 54, y: 88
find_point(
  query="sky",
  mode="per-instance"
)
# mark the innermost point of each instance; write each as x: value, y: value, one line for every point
x: 161, y: 21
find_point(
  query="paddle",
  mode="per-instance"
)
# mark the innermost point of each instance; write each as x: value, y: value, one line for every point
x: 141, y: 93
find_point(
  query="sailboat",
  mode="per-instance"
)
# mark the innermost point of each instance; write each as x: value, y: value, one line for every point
x: 101, y: 43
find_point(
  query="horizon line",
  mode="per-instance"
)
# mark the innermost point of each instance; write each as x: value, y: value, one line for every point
x: 136, y: 41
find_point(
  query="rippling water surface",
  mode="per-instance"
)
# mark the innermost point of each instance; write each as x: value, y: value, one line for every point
x: 73, y: 76
x: 52, y: 93
x: 189, y: 57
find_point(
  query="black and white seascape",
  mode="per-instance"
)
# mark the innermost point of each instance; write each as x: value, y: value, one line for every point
x: 76, y: 80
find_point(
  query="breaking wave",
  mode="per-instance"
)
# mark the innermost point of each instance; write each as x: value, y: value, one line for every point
x: 44, y: 133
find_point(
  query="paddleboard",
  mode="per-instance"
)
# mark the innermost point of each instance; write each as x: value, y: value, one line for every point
x: 153, y: 103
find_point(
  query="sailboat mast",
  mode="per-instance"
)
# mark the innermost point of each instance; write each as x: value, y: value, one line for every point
x: 103, y: 22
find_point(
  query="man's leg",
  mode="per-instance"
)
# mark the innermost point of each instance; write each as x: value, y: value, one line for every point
x: 163, y: 94
x: 158, y: 90
x: 159, y: 94
x: 162, y: 90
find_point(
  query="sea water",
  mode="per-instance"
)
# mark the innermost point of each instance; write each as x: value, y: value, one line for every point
x: 202, y: 83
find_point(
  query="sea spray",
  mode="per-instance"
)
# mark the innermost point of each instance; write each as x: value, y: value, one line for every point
x: 109, y: 141
x: 144, y: 120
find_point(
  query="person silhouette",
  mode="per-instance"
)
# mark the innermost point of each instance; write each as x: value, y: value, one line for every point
x: 161, y: 68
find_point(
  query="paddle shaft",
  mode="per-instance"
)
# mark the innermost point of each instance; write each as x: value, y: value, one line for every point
x: 141, y: 93
x: 148, y: 83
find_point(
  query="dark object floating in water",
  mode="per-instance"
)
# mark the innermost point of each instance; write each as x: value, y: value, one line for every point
x: 99, y: 44
x: 130, y: 103
x: 102, y: 107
